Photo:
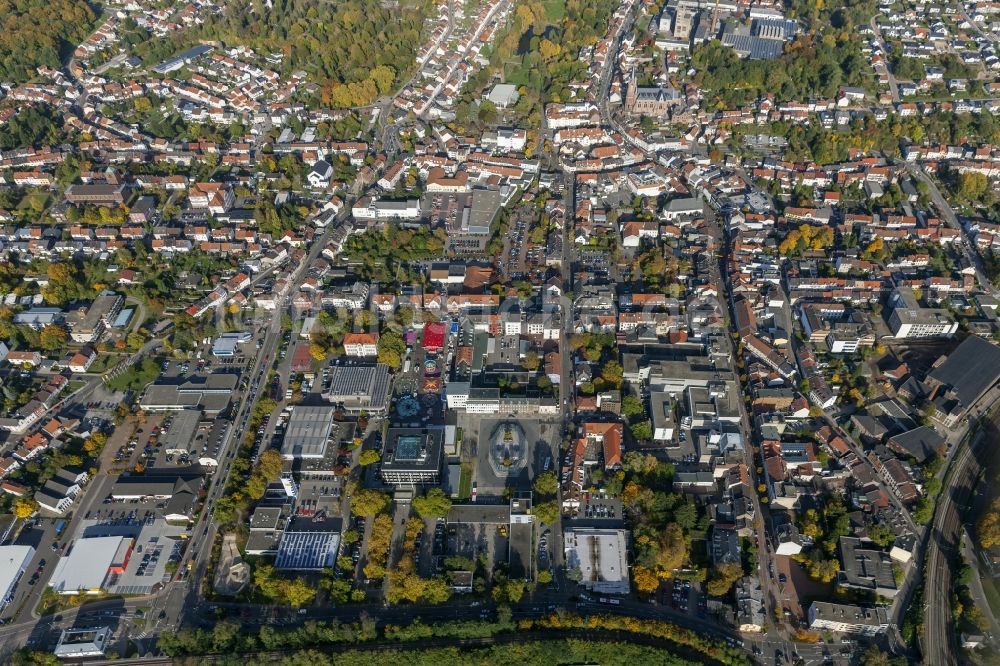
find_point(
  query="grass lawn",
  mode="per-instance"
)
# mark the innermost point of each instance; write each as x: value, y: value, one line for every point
x: 34, y: 201
x: 555, y: 10
x: 136, y: 377
x: 465, y: 482
x: 105, y: 362
x: 517, y: 75
x: 992, y: 594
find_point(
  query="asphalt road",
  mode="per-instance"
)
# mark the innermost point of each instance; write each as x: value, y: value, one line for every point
x: 949, y: 216
x: 204, y: 532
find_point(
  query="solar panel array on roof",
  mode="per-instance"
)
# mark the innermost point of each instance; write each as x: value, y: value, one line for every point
x: 307, y: 550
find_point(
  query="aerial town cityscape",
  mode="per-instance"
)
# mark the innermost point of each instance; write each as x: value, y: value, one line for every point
x: 500, y: 331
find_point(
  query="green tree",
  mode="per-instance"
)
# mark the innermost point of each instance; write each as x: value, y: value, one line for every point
x: 433, y: 504
x: 881, y: 535
x: 874, y: 656
x: 270, y: 464
x: 547, y: 512
x: 383, y: 76
x: 632, y: 407
x: 972, y: 186
x: 642, y: 430
x: 546, y: 484
x: 613, y: 374
x: 672, y: 551
x: 686, y: 515
x: 368, y: 503
x: 369, y: 457
x: 339, y: 590
x: 923, y: 511
x: 224, y: 635
x: 299, y: 592
x: 722, y: 579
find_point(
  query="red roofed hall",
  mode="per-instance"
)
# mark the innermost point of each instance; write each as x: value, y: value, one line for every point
x: 433, y: 336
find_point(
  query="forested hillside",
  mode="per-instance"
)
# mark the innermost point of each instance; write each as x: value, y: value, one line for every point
x: 40, y: 32
x: 360, y: 45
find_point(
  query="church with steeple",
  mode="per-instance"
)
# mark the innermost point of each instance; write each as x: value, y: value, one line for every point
x: 651, y: 101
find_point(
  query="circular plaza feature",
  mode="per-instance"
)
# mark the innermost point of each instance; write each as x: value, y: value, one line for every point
x: 508, y: 453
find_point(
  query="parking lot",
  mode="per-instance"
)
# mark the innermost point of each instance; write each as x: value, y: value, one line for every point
x: 320, y: 495
x: 474, y: 539
x: 157, y: 543
x: 684, y: 596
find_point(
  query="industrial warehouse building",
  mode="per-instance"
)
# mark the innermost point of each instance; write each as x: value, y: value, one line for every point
x: 601, y: 555
x: 14, y: 561
x: 210, y: 394
x: 308, y: 432
x: 360, y: 388
x: 91, y: 564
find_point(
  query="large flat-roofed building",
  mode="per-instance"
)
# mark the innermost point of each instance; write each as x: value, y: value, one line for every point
x: 210, y: 394
x: 307, y: 551
x: 156, y: 486
x: 413, y: 456
x: 178, y: 439
x: 672, y: 369
x: 469, y: 230
x: 847, y: 619
x: 225, y: 345
x: 601, y: 555
x: 80, y: 643
x: 909, y: 319
x: 718, y: 402
x: 87, y: 324
x: 309, y: 544
x: 662, y: 409
x: 360, y: 388
x: 38, y: 318
x: 100, y: 194
x: 865, y: 568
x: 503, y: 95
x: 267, y: 523
x: 308, y: 432
x: 14, y: 561
x: 89, y: 565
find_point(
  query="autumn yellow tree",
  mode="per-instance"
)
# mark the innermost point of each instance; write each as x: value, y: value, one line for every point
x: 25, y: 507
x: 317, y: 351
x: 988, y: 527
x: 95, y: 443
x: 723, y: 577
x: 383, y: 76
x: 672, y: 550
x: 549, y: 50
x: 645, y: 579
x: 52, y: 337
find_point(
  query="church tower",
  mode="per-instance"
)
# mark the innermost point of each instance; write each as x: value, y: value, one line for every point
x: 631, y: 91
